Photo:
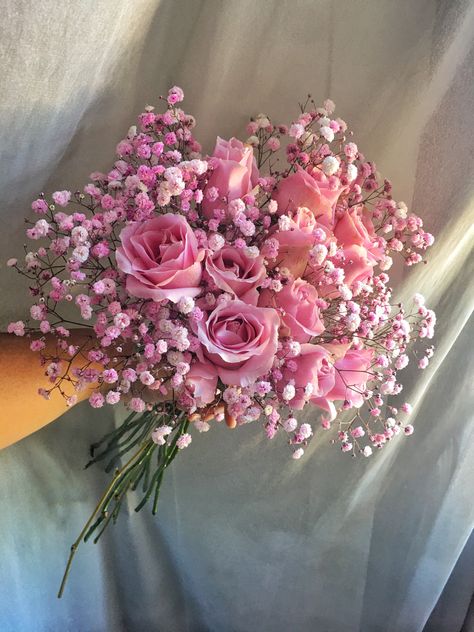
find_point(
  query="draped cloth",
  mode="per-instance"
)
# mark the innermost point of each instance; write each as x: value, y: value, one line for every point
x: 247, y: 539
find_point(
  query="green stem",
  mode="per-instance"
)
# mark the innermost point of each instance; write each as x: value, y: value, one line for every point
x: 75, y: 545
x: 114, y: 433
x: 157, y: 493
x: 168, y: 454
x: 133, y: 431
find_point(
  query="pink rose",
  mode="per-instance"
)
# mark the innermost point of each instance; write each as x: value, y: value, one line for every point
x: 351, y: 373
x: 302, y: 189
x: 325, y: 404
x: 356, y: 228
x: 161, y: 258
x: 300, y: 313
x: 201, y: 380
x: 313, y: 378
x: 301, y: 226
x: 358, y: 266
x: 240, y: 340
x: 235, y: 173
x: 296, y: 242
x: 235, y: 272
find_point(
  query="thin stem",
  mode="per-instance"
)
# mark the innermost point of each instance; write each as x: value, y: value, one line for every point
x: 157, y: 494
x: 77, y: 542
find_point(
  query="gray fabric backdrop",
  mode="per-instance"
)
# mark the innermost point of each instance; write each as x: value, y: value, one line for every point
x: 247, y: 540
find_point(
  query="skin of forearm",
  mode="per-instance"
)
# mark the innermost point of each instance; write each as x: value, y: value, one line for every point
x: 22, y: 410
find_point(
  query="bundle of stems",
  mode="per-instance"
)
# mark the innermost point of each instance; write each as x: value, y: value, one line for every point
x: 146, y: 466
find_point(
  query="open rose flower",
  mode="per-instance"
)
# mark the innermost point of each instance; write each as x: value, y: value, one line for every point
x: 235, y: 272
x: 295, y: 243
x: 234, y: 175
x: 354, y: 227
x: 313, y: 377
x: 161, y: 258
x: 301, y: 225
x: 300, y: 314
x: 302, y: 189
x: 201, y: 381
x: 358, y: 265
x: 240, y: 340
x: 352, y: 372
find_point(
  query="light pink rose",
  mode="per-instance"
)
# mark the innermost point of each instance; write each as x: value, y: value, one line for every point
x: 296, y: 242
x: 234, y: 272
x: 161, y: 258
x: 325, y: 404
x: 337, y: 349
x: 201, y: 380
x: 240, y: 340
x: 294, y: 258
x: 351, y: 376
x: 355, y: 227
x: 300, y: 313
x: 314, y: 367
x: 302, y: 189
x: 358, y: 265
x: 235, y: 173
x: 300, y: 233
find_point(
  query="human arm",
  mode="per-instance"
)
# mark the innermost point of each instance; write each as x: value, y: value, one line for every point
x: 22, y: 410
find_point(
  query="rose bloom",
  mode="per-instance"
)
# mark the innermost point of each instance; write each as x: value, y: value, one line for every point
x: 302, y: 224
x: 240, y: 340
x: 296, y: 242
x: 161, y: 258
x: 201, y: 381
x: 235, y: 173
x: 302, y: 189
x: 358, y: 265
x: 355, y: 227
x: 314, y: 367
x: 351, y: 376
x: 235, y: 272
x: 300, y: 314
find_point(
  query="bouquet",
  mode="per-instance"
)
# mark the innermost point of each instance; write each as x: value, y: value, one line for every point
x: 242, y: 286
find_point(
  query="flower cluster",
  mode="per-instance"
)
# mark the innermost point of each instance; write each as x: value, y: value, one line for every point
x: 228, y: 282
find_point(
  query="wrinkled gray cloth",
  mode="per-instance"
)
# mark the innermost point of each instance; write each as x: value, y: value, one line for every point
x: 247, y: 539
